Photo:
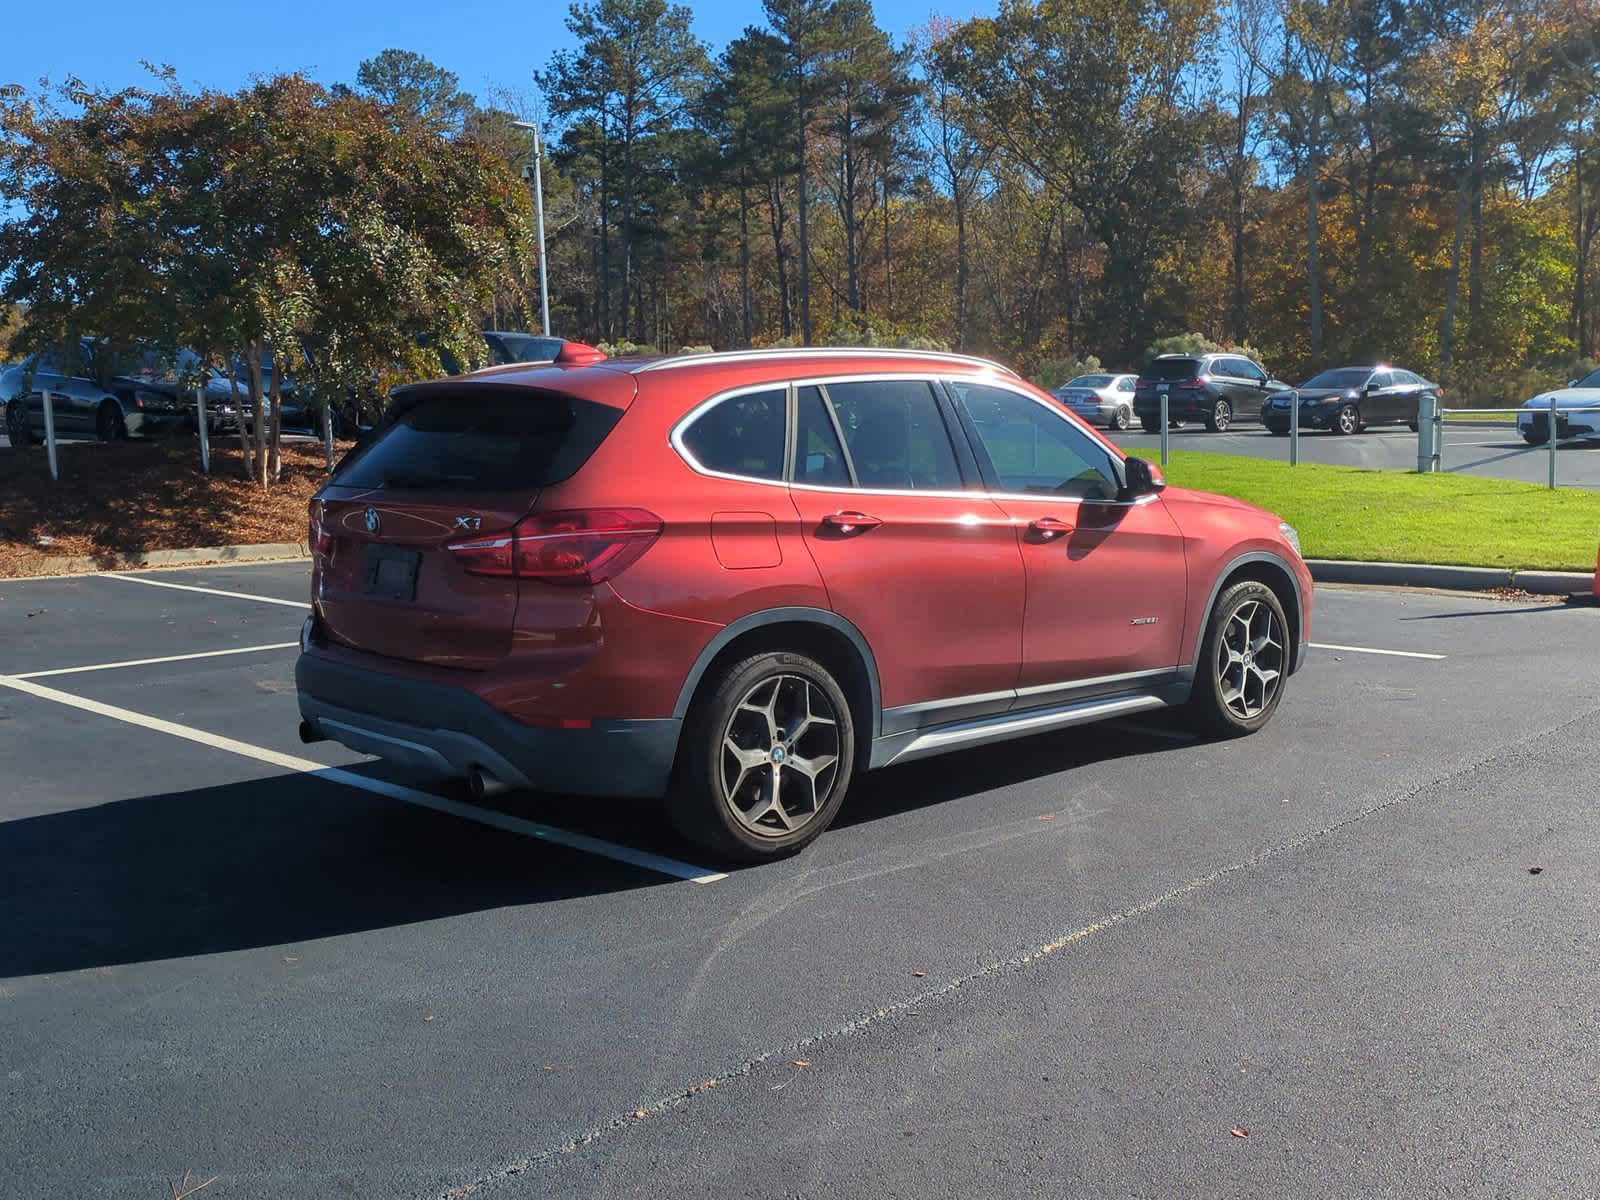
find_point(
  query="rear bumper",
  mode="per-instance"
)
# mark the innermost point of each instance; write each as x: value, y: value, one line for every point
x: 1181, y: 406
x: 447, y: 731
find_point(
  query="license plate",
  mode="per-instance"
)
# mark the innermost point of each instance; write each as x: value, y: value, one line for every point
x: 392, y: 573
x: 1161, y: 387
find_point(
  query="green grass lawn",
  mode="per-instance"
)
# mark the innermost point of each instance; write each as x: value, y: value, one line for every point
x: 1507, y: 418
x: 1398, y: 516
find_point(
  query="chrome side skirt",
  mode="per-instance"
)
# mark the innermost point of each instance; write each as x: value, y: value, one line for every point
x: 916, y: 744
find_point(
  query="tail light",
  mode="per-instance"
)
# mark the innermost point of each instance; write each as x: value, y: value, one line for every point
x: 318, y: 539
x: 1190, y: 385
x: 577, y: 547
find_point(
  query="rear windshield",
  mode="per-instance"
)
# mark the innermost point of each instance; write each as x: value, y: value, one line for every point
x: 1091, y: 381
x: 473, y: 441
x: 1173, y: 368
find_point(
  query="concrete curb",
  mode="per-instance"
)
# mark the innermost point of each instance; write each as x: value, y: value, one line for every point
x: 1456, y: 579
x: 89, y: 564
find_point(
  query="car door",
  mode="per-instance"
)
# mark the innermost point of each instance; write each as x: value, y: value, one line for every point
x: 50, y: 375
x: 910, y: 550
x: 1408, y: 396
x: 1382, y: 403
x: 1252, y: 390
x: 1105, y: 578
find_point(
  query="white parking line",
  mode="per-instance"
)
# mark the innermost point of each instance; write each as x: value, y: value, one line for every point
x: 149, y: 662
x: 395, y: 791
x: 1374, y: 650
x: 189, y: 587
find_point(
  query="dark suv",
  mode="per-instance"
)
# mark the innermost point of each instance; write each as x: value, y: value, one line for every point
x: 1212, y: 388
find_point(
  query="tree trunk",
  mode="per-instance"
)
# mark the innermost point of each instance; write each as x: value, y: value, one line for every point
x: 775, y: 219
x: 744, y: 264
x: 888, y: 258
x: 801, y: 204
x: 1447, y: 331
x: 847, y: 213
x: 258, y: 409
x: 276, y: 457
x: 1475, y: 271
x: 605, y: 243
x: 961, y: 266
x: 246, y: 457
x: 631, y: 319
x: 1314, y: 267
x: 1239, y: 305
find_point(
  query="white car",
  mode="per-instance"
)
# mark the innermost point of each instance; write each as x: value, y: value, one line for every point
x: 1100, y: 399
x: 1577, y: 412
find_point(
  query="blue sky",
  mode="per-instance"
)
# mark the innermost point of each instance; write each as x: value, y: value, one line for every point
x: 223, y: 43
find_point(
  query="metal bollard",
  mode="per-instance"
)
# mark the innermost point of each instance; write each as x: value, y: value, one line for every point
x: 1294, y: 429
x: 50, y: 433
x: 205, y: 434
x: 1164, y: 430
x: 1552, y: 442
x: 1425, y: 434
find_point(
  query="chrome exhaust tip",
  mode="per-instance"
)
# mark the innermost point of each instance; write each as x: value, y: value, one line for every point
x: 483, y: 784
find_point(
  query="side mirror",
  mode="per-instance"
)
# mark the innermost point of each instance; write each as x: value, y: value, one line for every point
x: 1142, y: 478
x: 1277, y: 385
x: 1572, y: 383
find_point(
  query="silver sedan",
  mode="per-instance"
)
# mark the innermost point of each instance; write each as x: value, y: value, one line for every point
x: 1100, y: 399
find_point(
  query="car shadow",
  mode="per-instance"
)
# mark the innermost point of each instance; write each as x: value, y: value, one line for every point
x: 1501, y: 611
x: 944, y: 778
x: 259, y: 863
x: 292, y: 858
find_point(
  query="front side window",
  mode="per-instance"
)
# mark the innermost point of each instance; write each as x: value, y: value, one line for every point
x: 742, y: 435
x: 895, y: 435
x: 1035, y: 452
x: 818, y: 457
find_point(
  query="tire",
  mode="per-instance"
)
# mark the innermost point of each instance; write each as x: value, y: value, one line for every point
x: 1150, y: 424
x: 1122, y: 418
x: 1220, y: 417
x: 109, y: 424
x: 1412, y: 425
x: 1347, y: 420
x: 17, y: 428
x: 1232, y: 693
x: 726, y: 805
x: 1535, y: 440
x: 1276, y: 432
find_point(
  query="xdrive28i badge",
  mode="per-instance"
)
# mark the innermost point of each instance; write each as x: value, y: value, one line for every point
x: 373, y: 522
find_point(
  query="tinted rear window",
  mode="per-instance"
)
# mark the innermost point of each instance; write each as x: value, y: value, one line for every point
x: 1173, y: 368
x: 472, y: 441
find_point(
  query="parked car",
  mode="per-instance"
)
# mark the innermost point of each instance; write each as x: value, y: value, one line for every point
x: 1100, y: 399
x: 108, y: 394
x: 1348, y: 399
x: 1533, y: 423
x: 1215, y: 389
x: 736, y: 580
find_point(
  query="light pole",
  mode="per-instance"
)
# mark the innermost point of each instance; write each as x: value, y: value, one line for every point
x: 538, y: 213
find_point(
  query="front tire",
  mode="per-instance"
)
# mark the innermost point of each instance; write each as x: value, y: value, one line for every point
x: 17, y: 428
x: 1122, y: 418
x: 1220, y: 417
x: 766, y: 758
x: 1347, y: 420
x: 1243, y: 662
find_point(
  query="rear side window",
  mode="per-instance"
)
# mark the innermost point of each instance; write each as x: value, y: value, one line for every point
x: 895, y: 435
x: 1173, y: 368
x: 475, y: 440
x: 742, y: 435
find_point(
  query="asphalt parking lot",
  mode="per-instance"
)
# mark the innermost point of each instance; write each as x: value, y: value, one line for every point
x: 1068, y: 966
x: 1468, y: 449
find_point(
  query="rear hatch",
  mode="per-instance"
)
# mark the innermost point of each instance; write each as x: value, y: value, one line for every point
x: 456, y: 463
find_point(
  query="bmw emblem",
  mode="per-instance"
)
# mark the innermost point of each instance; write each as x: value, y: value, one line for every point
x: 373, y: 522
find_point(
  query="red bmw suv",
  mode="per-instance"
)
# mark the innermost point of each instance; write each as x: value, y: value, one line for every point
x: 735, y: 581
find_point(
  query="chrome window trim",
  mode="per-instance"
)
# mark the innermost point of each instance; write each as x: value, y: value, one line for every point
x: 819, y: 352
x: 675, y: 438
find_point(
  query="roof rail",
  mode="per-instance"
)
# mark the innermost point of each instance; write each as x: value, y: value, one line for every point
x: 780, y: 353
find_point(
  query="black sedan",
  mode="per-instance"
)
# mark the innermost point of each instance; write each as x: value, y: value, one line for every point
x: 1349, y: 399
x: 105, y: 394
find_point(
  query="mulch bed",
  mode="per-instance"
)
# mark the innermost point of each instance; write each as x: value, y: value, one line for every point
x: 132, y: 497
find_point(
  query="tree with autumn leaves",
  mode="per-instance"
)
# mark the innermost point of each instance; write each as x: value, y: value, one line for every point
x: 284, y: 230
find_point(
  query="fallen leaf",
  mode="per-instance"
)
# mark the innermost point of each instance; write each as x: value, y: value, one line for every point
x: 1239, y: 1131
x: 801, y: 1063
x: 1047, y: 817
x: 710, y: 1083
x: 1534, y: 870
x: 429, y: 1017
x: 919, y: 974
x: 640, y: 1114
